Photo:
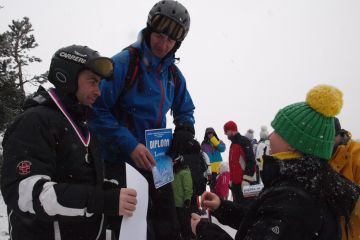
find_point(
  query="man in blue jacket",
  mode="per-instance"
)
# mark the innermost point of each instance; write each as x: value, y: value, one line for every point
x: 139, y: 97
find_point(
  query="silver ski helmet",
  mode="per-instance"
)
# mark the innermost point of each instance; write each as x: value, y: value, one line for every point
x: 68, y: 62
x: 170, y: 18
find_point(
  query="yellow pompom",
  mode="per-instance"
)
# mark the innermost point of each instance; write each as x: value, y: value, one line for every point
x: 325, y: 99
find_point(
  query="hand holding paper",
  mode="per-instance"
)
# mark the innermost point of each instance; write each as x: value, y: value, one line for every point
x: 127, y: 202
x: 142, y: 157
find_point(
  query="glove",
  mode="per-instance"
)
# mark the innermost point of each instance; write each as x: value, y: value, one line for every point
x: 187, y: 203
x: 185, y: 127
x: 180, y: 137
x: 214, y: 141
x: 182, y: 143
x: 249, y: 179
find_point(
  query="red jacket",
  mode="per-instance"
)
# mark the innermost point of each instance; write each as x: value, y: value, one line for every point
x: 236, y: 171
x: 222, y: 185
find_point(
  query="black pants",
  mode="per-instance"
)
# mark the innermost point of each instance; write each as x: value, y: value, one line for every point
x: 237, y: 193
x: 185, y: 223
x: 161, y: 217
x: 213, y: 180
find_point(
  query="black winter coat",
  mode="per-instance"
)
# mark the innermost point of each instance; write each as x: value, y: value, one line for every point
x: 302, y: 199
x: 51, y: 191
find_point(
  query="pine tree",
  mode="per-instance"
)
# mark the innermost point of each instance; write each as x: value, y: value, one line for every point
x: 20, y: 41
x: 14, y: 47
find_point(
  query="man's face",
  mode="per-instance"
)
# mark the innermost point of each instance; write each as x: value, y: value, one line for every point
x: 161, y: 44
x: 278, y: 144
x: 88, y: 87
x: 228, y: 133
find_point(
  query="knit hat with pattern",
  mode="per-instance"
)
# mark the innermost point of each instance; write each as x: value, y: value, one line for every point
x: 309, y: 126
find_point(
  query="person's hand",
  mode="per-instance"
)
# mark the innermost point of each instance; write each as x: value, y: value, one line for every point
x: 127, y: 202
x: 195, y: 219
x: 249, y: 178
x: 142, y: 157
x: 210, y: 201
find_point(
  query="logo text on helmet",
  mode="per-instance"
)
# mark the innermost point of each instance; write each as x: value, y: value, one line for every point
x: 72, y: 57
x: 79, y: 54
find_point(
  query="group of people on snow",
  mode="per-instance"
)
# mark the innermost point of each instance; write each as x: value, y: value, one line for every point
x: 64, y: 172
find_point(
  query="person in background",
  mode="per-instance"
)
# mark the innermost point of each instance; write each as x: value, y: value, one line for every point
x: 183, y: 191
x: 263, y: 146
x: 241, y: 161
x: 346, y: 161
x: 222, y: 182
x: 52, y: 177
x: 213, y: 147
x: 303, y: 196
x: 250, y: 135
x: 145, y: 86
x: 189, y: 149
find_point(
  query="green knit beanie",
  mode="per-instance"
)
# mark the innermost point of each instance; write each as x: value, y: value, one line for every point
x: 309, y: 126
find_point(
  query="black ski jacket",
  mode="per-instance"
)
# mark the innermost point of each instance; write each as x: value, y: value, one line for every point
x: 51, y: 182
x: 302, y: 199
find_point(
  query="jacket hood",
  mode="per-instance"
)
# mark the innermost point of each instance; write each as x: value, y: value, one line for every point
x: 317, y: 177
x: 40, y: 97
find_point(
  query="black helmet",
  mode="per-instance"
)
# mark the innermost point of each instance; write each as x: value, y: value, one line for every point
x: 171, y: 18
x: 68, y: 62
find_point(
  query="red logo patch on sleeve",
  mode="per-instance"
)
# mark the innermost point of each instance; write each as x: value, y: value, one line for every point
x: 23, y: 167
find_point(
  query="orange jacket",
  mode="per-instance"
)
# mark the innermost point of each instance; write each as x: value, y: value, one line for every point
x: 346, y: 161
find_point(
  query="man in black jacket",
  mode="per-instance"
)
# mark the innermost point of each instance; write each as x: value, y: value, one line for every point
x: 52, y: 178
x: 241, y: 161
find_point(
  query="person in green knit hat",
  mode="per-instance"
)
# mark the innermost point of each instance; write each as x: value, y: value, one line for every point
x: 303, y: 197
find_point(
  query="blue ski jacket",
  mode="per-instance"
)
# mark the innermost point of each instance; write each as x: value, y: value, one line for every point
x: 122, y: 116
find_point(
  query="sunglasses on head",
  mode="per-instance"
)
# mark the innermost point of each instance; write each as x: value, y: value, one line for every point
x: 102, y: 66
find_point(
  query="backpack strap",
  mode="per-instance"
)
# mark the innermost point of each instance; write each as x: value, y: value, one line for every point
x: 134, y: 72
x: 134, y: 69
x: 133, y: 75
x: 175, y: 77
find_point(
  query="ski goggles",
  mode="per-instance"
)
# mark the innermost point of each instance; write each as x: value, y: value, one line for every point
x: 169, y: 27
x: 102, y: 66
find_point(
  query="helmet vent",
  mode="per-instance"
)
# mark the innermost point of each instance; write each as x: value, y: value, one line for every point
x: 60, y: 77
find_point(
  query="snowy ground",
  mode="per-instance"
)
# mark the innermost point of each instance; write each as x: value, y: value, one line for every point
x: 3, y: 220
x: 4, y: 224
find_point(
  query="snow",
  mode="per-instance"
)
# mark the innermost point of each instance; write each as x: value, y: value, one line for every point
x: 4, y: 235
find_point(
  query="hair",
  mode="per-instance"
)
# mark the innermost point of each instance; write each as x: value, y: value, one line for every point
x: 207, y: 131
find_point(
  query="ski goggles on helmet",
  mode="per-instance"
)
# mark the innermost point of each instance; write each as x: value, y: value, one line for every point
x: 102, y: 66
x: 169, y: 27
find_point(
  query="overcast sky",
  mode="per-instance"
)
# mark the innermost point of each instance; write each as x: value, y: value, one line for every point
x: 243, y: 59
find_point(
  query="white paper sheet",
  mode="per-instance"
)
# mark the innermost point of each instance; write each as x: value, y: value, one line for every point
x: 134, y: 227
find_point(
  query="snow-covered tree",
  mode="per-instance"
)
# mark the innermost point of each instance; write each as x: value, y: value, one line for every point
x: 15, y: 45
